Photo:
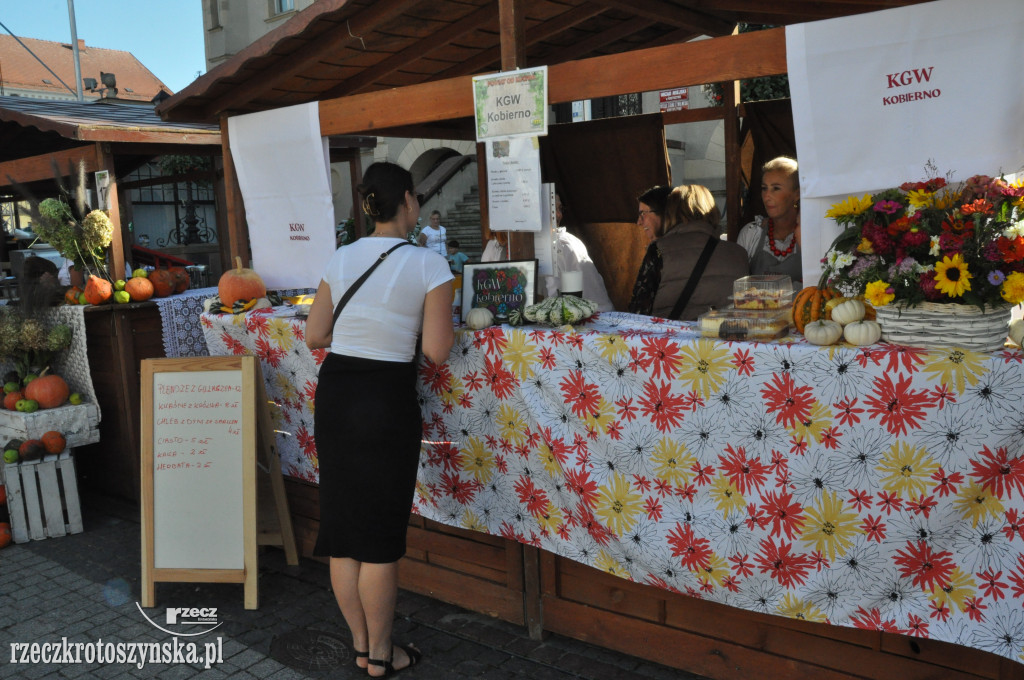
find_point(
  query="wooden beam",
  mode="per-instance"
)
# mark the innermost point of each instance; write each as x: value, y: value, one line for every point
x: 319, y: 49
x: 668, y: 13
x: 236, y: 233
x: 786, y: 10
x: 37, y: 168
x: 142, y: 136
x: 733, y: 57
x: 491, y: 57
x: 435, y: 41
x: 598, y: 40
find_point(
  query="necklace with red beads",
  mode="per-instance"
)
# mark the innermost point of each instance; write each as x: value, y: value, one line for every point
x: 771, y: 241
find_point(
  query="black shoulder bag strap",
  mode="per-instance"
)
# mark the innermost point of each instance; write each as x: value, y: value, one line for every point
x: 691, y: 283
x: 362, y: 279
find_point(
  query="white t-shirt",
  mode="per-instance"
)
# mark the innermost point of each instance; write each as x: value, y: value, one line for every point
x: 572, y: 255
x: 750, y: 236
x: 383, y: 319
x: 436, y: 239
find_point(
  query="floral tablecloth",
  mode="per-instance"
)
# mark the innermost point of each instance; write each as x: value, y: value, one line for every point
x: 879, y: 487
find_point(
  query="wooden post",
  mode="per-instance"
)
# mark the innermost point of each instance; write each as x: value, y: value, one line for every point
x: 355, y: 167
x: 733, y: 157
x: 105, y: 161
x: 513, y: 55
x: 235, y: 235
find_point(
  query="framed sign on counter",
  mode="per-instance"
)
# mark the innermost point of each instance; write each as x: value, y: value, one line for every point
x: 502, y: 287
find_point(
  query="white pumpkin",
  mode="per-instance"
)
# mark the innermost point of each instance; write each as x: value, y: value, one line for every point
x: 848, y: 311
x: 823, y: 332
x: 862, y: 332
x: 1017, y: 331
x: 479, y: 317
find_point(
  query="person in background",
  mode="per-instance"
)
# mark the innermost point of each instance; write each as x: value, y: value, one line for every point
x: 496, y: 249
x: 652, y: 211
x: 571, y: 255
x: 690, y: 226
x: 434, y: 236
x: 39, y: 285
x: 367, y: 424
x: 456, y: 258
x: 773, y: 242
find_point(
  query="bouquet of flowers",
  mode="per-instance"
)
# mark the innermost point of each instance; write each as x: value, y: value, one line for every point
x: 931, y: 241
x: 83, y: 242
x: 67, y: 222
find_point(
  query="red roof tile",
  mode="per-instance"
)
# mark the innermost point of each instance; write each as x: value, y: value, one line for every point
x: 20, y: 70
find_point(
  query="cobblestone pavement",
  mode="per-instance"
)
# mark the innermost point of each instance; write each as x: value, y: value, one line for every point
x: 83, y: 589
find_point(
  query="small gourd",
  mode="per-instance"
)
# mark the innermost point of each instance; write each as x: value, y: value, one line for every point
x: 862, y: 332
x: 823, y: 332
x: 848, y: 311
x: 1017, y: 331
x: 479, y: 317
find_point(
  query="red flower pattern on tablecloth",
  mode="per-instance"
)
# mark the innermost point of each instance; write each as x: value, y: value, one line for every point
x: 747, y: 474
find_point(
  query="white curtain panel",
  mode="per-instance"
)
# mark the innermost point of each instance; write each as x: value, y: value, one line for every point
x: 877, y: 96
x: 283, y: 169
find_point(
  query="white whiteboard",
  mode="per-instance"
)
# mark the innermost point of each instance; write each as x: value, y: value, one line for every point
x: 197, y: 470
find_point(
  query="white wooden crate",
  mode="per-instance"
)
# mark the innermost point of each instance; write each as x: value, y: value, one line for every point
x: 42, y: 497
x: 79, y: 424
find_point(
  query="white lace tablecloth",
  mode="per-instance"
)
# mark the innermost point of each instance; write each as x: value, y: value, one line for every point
x: 179, y: 317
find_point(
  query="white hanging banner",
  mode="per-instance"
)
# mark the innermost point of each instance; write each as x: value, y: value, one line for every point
x: 283, y: 169
x: 876, y: 95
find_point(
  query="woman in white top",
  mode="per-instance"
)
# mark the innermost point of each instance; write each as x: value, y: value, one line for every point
x: 367, y: 422
x: 434, y: 236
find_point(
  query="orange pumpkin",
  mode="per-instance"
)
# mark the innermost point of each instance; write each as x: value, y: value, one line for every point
x: 181, y: 279
x: 97, y: 290
x: 49, y: 390
x: 71, y: 295
x: 163, y: 284
x: 810, y: 305
x: 139, y: 288
x: 12, y: 398
x: 54, y: 441
x: 240, y: 283
x: 5, y: 534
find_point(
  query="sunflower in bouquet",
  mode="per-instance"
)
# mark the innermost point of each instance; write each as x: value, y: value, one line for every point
x: 931, y: 241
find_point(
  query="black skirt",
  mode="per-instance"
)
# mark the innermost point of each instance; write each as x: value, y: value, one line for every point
x: 367, y: 426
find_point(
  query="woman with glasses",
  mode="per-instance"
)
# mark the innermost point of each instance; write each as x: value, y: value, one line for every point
x: 652, y: 209
x: 687, y: 269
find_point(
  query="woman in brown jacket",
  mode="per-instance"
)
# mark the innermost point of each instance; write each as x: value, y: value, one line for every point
x: 689, y: 237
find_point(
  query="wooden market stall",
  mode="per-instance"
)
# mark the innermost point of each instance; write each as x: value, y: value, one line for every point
x: 404, y: 68
x: 38, y: 135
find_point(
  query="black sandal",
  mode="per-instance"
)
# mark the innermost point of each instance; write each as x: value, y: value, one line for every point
x: 361, y: 655
x: 414, y: 658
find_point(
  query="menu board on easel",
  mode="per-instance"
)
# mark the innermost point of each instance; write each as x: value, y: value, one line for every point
x: 199, y: 433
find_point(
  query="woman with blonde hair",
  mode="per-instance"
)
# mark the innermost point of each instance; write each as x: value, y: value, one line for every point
x: 772, y: 241
x: 688, y: 269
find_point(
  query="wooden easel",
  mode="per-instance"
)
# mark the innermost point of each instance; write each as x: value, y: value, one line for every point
x: 260, y: 466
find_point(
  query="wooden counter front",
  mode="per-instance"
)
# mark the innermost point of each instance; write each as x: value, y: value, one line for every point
x: 118, y: 338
